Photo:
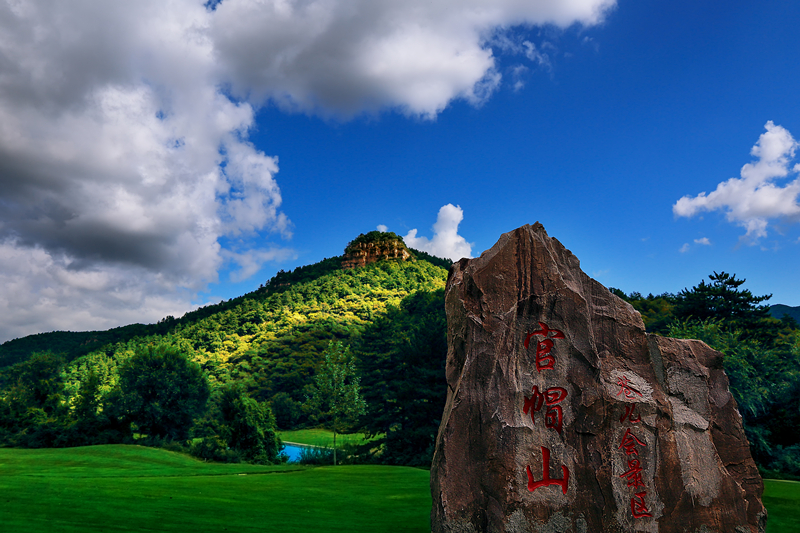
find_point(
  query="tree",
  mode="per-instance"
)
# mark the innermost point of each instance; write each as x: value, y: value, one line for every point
x: 403, y: 356
x: 37, y: 382
x: 765, y: 381
x: 656, y: 310
x: 161, y: 391
x: 32, y: 408
x: 248, y: 426
x: 722, y: 299
x: 237, y: 427
x: 336, y: 392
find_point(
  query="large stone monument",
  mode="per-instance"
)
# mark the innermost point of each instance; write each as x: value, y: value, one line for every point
x: 563, y: 415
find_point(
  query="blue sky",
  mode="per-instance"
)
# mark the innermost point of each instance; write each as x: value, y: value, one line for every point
x: 173, y: 157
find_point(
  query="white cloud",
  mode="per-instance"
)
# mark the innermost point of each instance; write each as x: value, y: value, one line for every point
x: 124, y: 155
x: 446, y: 241
x: 685, y: 248
x: 251, y: 261
x: 537, y: 55
x: 44, y: 289
x: 703, y: 241
x: 382, y: 228
x: 346, y: 56
x: 754, y: 199
x: 121, y: 164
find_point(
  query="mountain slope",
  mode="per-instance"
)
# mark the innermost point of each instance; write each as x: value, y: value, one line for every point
x: 779, y: 310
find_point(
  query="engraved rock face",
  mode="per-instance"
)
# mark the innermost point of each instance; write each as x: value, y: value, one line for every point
x: 563, y: 415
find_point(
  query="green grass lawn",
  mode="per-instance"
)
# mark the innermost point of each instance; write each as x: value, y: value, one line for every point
x: 320, y: 437
x: 130, y: 488
x: 782, y: 500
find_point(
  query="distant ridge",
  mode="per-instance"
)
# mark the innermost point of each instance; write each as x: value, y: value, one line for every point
x: 778, y: 310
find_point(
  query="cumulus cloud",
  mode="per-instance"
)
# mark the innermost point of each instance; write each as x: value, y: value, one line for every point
x: 446, y: 241
x: 758, y: 196
x: 122, y: 165
x: 345, y: 56
x: 43, y: 289
x: 382, y: 228
x: 125, y: 165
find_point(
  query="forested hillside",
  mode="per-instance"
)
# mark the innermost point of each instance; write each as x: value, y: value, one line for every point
x: 265, y: 346
x: 225, y: 376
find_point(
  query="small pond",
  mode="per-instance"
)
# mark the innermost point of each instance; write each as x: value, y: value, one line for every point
x: 293, y: 450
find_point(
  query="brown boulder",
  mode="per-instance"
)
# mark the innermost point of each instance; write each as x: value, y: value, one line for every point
x: 563, y: 415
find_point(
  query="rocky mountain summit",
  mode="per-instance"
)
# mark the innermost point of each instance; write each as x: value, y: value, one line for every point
x: 564, y: 416
x: 373, y: 247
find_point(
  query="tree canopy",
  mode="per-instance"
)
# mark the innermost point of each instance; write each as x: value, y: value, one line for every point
x: 275, y: 347
x: 335, y: 397
x: 161, y: 391
x: 722, y: 299
x: 402, y: 356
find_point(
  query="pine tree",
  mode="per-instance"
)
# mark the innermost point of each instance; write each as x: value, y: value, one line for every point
x: 336, y: 393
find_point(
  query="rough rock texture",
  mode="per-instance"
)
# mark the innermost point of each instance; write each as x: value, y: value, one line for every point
x: 596, y: 426
x: 362, y: 254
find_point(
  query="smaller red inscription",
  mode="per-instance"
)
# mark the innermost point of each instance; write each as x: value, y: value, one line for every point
x: 630, y: 415
x: 634, y: 473
x: 626, y: 389
x: 629, y: 442
x: 638, y: 506
x: 546, y: 479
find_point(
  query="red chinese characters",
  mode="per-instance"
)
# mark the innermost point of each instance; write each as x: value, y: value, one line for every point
x: 544, y: 359
x: 634, y: 473
x: 638, y: 507
x: 626, y: 388
x: 630, y: 415
x: 550, y: 398
x: 553, y: 416
x: 546, y: 480
x: 630, y: 444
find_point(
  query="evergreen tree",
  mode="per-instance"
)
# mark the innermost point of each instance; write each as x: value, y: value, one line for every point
x: 336, y: 392
x: 722, y: 299
x: 403, y: 359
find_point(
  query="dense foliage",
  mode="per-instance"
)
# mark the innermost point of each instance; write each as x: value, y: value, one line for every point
x: 335, y: 396
x: 263, y: 355
x: 403, y: 357
x: 765, y: 380
x: 265, y: 349
x: 236, y: 428
x: 159, y: 391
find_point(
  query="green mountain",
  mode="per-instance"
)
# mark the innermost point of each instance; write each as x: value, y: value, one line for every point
x: 380, y: 298
x: 385, y: 303
x: 779, y: 310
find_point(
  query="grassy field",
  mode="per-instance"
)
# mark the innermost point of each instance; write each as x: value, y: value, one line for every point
x: 131, y: 488
x: 320, y: 437
x: 782, y: 500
